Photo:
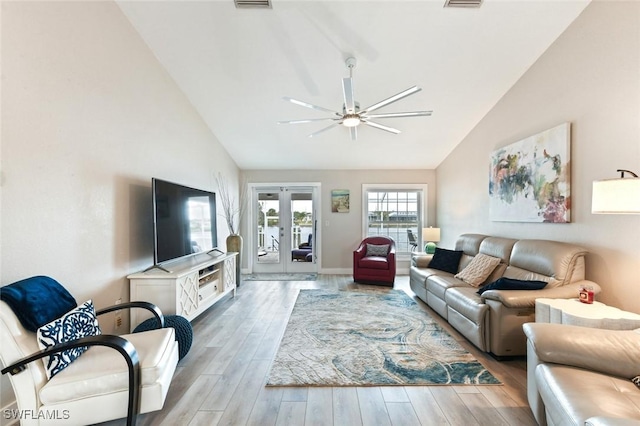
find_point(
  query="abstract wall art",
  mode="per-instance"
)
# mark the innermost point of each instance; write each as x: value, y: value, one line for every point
x: 530, y: 179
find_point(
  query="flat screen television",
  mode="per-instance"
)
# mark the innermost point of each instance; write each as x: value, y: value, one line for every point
x: 184, y: 221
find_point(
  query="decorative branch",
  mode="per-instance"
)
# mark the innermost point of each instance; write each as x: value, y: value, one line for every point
x: 233, y: 210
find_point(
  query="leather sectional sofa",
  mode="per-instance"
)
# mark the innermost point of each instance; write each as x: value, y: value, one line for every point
x: 493, y: 321
x: 582, y: 376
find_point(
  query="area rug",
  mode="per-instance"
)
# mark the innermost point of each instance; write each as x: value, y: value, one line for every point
x: 280, y: 277
x: 369, y: 338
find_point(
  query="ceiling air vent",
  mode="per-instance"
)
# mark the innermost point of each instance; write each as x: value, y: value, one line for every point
x: 245, y: 4
x: 462, y: 3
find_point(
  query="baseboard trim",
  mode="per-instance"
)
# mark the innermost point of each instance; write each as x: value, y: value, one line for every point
x: 342, y: 271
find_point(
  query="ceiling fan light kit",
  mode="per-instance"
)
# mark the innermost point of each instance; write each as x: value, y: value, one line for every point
x: 351, y: 116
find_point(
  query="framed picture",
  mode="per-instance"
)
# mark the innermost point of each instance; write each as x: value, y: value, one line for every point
x: 340, y: 201
x: 530, y: 179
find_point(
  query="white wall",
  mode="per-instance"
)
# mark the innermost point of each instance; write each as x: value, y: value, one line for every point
x: 88, y: 117
x: 344, y: 230
x: 589, y: 77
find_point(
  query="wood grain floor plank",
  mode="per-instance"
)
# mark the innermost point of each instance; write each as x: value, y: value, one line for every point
x: 206, y: 418
x: 425, y: 405
x: 372, y: 407
x: 508, y: 408
x: 188, y: 406
x: 394, y: 394
x: 265, y: 410
x: 452, y: 406
x: 221, y: 393
x: 482, y: 410
x: 291, y: 413
x: 319, y: 407
x: 243, y: 399
x: 402, y: 414
x: 295, y: 394
x: 346, y: 411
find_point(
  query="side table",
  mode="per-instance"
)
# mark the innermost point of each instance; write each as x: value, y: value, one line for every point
x: 595, y: 315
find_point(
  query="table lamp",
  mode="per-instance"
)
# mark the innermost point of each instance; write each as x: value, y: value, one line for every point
x: 430, y: 236
x: 616, y: 196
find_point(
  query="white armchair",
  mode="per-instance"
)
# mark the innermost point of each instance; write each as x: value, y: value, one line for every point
x: 119, y: 376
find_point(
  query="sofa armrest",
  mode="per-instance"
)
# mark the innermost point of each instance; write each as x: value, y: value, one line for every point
x: 613, y: 352
x: 421, y: 260
x: 527, y: 298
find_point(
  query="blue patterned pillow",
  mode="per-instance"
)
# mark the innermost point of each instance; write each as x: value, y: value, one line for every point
x: 77, y: 323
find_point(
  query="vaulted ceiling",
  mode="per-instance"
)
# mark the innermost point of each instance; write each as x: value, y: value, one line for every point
x: 235, y: 66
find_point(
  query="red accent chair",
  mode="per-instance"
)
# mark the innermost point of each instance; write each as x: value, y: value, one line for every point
x: 375, y: 269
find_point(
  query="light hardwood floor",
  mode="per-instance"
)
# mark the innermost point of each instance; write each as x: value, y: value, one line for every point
x: 222, y: 379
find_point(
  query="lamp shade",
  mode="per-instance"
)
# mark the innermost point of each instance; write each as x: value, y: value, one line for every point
x: 431, y: 235
x: 616, y: 196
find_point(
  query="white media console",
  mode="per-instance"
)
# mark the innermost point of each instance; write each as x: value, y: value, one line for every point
x: 185, y: 287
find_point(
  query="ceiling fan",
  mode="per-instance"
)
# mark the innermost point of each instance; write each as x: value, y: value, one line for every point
x: 352, y: 116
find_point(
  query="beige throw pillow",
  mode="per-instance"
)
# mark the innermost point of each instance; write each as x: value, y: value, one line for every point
x: 478, y: 270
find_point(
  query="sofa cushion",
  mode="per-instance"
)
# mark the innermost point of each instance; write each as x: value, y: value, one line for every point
x: 465, y: 301
x: 532, y: 259
x: 421, y: 274
x: 446, y: 260
x: 511, y: 284
x: 477, y: 271
x: 470, y: 243
x: 439, y: 284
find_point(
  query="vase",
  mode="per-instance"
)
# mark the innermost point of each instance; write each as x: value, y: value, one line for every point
x: 234, y: 244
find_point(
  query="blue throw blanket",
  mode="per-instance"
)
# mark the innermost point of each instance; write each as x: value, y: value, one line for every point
x: 37, y: 301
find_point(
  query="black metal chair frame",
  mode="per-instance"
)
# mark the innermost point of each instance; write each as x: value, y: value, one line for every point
x: 413, y: 242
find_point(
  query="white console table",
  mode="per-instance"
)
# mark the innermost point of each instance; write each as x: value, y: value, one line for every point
x: 595, y: 315
x: 187, y: 287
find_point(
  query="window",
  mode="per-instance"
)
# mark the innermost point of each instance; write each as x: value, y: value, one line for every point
x: 395, y: 211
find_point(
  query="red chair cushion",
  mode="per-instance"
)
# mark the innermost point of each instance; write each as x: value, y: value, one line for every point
x: 373, y: 262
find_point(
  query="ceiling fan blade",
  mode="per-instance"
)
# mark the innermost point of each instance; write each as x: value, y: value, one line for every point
x: 381, y: 127
x: 354, y: 133
x: 307, y: 120
x: 400, y: 114
x: 323, y: 130
x: 308, y: 105
x: 347, y: 90
x: 392, y: 99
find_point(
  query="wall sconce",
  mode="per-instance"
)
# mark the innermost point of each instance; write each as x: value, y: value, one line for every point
x: 430, y: 236
x: 616, y: 196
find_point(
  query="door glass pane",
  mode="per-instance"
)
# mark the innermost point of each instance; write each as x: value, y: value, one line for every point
x: 268, y: 227
x: 301, y: 227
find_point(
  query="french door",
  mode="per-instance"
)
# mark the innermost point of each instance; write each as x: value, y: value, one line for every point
x: 283, y: 219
